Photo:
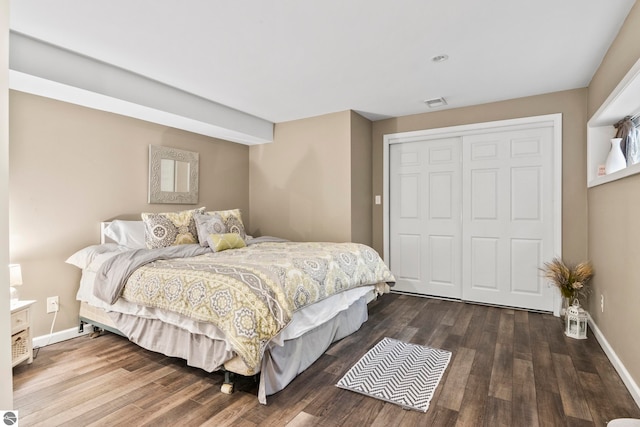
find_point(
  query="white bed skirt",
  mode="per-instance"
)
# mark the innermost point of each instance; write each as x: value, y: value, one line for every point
x: 281, y: 364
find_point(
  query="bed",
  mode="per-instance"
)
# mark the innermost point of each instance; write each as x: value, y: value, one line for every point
x: 259, y: 306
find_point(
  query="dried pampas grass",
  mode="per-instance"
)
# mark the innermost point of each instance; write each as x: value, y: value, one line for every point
x: 571, y: 280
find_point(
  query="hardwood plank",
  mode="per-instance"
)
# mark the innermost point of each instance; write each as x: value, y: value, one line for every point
x: 544, y: 371
x: 115, y: 406
x: 472, y: 408
x: 72, y: 397
x: 459, y: 369
x: 476, y: 327
x: 461, y: 323
x: 283, y: 413
x: 232, y: 413
x: 436, y: 339
x: 326, y: 398
x: 363, y: 413
x: 435, y: 416
x: 452, y: 315
x: 521, y: 336
x: 215, y: 405
x: 33, y: 392
x: 303, y: 419
x: 579, y: 357
x: 554, y: 329
x: 505, y: 328
x: 550, y: 412
x: 116, y: 417
x: 389, y: 416
x: 97, y: 396
x: 614, y: 388
x: 602, y: 409
x: 524, y: 412
x: 577, y: 422
x: 498, y: 412
x: 573, y: 401
x: 501, y: 384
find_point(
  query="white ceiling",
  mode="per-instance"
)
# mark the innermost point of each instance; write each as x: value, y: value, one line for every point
x: 285, y: 60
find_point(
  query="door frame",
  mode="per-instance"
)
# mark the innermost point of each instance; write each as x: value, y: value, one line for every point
x: 554, y: 120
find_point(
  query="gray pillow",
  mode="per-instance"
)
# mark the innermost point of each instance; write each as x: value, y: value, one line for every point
x: 209, y: 224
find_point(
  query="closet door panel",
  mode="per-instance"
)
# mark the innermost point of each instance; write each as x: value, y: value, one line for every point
x: 472, y: 217
x: 425, y: 210
x: 510, y: 194
x: 526, y: 255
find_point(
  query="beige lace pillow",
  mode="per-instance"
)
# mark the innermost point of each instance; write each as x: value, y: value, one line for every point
x: 232, y: 219
x: 171, y: 228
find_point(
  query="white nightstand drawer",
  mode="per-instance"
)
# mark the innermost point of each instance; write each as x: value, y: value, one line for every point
x: 19, y: 321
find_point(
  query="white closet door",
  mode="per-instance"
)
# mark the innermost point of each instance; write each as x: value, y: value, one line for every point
x: 508, y: 217
x: 424, y: 212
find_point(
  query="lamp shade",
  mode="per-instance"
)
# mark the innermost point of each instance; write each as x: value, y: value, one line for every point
x: 15, y: 275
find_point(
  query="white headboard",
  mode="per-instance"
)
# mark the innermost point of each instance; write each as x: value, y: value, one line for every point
x: 104, y: 239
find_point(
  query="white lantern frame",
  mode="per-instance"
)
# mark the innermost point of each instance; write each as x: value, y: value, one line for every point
x: 576, y: 322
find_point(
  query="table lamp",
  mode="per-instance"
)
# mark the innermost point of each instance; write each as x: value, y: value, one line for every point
x: 15, y: 279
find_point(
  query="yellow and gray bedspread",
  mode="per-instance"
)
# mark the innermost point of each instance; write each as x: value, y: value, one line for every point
x: 250, y: 293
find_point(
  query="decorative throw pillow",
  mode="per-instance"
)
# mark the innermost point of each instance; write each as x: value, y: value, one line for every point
x: 170, y: 229
x: 209, y: 224
x: 222, y: 242
x: 232, y: 220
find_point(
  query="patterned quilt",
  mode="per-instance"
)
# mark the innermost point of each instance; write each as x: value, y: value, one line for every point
x: 251, y: 293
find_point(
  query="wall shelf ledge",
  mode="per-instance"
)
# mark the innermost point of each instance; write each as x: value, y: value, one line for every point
x: 623, y: 101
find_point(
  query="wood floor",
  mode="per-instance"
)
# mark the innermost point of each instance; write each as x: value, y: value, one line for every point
x: 509, y: 368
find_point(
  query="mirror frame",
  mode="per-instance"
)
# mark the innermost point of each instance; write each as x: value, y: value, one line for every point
x: 156, y: 195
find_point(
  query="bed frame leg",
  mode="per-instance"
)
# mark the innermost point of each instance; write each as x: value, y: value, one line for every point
x: 227, y: 386
x: 96, y: 332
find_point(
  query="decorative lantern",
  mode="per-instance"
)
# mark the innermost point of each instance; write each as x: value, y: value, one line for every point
x: 576, y: 319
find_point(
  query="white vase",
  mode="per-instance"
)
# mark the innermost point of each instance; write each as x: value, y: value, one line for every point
x: 615, y: 159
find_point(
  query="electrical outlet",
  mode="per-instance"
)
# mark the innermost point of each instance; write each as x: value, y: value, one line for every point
x: 602, y: 303
x: 52, y: 304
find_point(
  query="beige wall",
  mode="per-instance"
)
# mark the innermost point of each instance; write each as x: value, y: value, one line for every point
x: 572, y: 106
x: 6, y: 389
x: 614, y: 209
x: 305, y: 184
x: 361, y: 191
x: 72, y: 167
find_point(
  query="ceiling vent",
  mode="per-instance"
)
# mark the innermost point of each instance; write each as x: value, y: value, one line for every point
x: 435, y: 102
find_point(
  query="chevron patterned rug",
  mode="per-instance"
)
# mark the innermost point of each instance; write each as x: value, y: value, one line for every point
x: 398, y: 372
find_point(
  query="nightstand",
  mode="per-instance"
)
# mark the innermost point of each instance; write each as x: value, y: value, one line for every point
x: 21, y: 347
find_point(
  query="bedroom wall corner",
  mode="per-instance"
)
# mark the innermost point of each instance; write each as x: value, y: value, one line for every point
x: 72, y: 167
x: 361, y: 184
x: 300, y: 185
x: 6, y: 387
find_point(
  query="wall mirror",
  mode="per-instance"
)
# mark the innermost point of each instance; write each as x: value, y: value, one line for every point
x: 173, y: 175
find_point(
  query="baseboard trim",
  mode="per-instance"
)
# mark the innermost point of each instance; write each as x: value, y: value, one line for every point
x: 60, y: 336
x: 632, y: 386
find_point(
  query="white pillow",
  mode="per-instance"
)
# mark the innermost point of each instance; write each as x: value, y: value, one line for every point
x: 126, y: 233
x: 85, y: 256
x: 100, y: 259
